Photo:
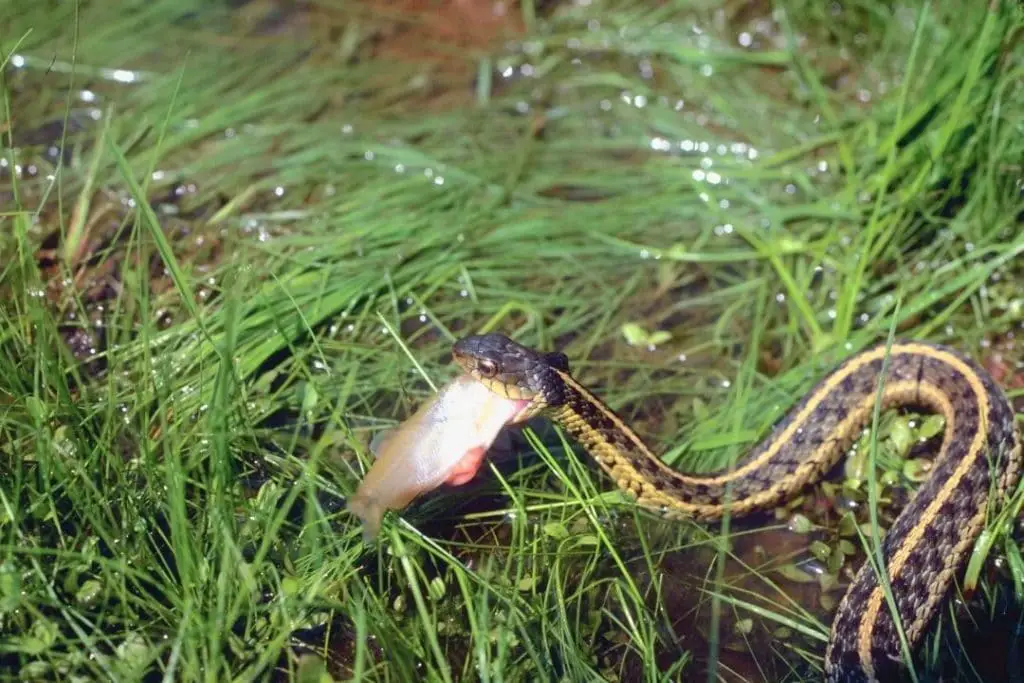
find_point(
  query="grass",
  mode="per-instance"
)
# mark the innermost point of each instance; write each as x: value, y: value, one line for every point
x: 230, y: 255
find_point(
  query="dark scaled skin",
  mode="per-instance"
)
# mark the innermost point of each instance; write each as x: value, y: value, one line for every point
x: 927, y: 544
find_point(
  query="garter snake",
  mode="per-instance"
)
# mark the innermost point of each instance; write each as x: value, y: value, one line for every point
x: 923, y: 549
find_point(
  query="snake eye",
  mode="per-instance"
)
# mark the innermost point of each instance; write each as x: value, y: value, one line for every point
x: 487, y: 368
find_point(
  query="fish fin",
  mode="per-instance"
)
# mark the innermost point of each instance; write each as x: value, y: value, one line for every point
x: 370, y: 513
x: 379, y: 439
x: 467, y: 467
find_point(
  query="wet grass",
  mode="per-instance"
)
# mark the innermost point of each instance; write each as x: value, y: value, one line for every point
x: 237, y: 243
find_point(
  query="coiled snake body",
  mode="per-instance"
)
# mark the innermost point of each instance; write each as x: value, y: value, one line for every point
x: 927, y: 544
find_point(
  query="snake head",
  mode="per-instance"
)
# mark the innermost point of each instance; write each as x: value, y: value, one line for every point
x: 513, y: 370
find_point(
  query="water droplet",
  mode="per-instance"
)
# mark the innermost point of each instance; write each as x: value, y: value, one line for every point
x: 660, y: 145
x: 123, y: 76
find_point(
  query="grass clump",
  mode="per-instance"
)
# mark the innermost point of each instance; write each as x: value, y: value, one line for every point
x: 224, y: 229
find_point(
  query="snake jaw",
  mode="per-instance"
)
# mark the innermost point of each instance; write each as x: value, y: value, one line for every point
x: 530, y: 410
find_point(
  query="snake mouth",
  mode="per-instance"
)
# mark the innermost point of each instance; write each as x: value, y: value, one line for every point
x: 523, y: 411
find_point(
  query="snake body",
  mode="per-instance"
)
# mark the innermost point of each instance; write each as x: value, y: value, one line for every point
x: 928, y: 543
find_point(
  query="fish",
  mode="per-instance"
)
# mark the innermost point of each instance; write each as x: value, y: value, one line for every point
x: 443, y: 442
